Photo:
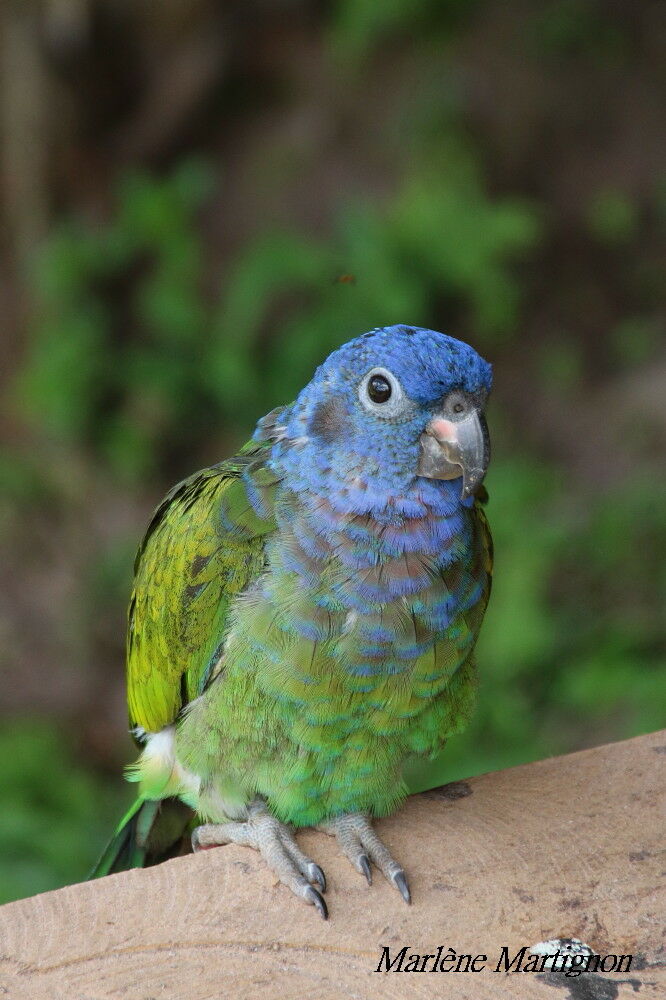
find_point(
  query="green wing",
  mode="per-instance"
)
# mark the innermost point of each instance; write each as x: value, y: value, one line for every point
x: 203, y: 546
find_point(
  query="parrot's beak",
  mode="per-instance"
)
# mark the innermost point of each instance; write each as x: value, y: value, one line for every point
x: 454, y: 448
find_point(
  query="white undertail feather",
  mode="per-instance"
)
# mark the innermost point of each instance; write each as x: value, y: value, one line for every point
x: 158, y: 771
x: 161, y: 775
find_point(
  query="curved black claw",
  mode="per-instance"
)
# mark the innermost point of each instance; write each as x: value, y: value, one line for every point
x: 364, y: 865
x: 400, y: 882
x: 317, y: 876
x: 312, y: 896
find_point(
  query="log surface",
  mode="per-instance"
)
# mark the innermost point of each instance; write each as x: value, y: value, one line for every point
x: 567, y: 847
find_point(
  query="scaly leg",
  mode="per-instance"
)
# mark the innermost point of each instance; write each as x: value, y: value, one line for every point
x: 359, y: 842
x: 277, y: 846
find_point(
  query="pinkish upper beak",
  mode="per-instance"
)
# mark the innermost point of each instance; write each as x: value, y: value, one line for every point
x: 454, y: 448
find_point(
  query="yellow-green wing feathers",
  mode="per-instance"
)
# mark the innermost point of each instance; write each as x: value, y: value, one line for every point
x: 204, y: 545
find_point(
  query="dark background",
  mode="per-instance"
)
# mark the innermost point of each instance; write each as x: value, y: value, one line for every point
x: 198, y: 200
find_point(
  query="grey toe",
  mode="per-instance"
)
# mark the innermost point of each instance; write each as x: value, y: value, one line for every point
x: 310, y: 895
x: 317, y: 876
x: 364, y: 865
x: 400, y: 882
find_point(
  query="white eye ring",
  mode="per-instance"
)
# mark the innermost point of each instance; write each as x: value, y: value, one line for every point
x: 393, y: 406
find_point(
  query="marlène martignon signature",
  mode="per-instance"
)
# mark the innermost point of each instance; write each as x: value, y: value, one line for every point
x: 565, y: 955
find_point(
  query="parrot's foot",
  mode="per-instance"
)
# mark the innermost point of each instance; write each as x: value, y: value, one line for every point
x: 277, y: 846
x: 359, y: 842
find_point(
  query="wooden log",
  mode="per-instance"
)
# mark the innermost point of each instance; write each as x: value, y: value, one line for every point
x: 567, y: 847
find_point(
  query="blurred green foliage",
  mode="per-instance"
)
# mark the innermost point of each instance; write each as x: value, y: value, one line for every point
x: 182, y: 362
x: 83, y: 383
x: 360, y: 26
x: 612, y: 217
x: 56, y: 811
x: 141, y: 363
x: 575, y: 27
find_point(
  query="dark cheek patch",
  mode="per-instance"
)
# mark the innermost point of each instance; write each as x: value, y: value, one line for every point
x: 329, y: 421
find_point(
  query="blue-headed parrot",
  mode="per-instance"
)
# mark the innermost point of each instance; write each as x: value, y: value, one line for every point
x: 304, y: 615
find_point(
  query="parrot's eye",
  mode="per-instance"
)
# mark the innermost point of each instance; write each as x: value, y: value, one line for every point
x: 381, y: 394
x: 379, y: 389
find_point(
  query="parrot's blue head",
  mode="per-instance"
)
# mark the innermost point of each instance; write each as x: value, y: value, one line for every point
x: 384, y: 416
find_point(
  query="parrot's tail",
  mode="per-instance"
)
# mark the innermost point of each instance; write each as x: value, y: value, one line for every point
x: 148, y: 833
